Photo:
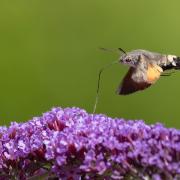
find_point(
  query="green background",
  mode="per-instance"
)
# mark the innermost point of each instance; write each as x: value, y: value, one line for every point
x: 49, y: 56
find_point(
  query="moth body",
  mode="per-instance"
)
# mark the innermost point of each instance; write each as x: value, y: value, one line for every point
x: 145, y: 69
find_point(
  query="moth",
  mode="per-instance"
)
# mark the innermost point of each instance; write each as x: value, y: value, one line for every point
x: 145, y: 68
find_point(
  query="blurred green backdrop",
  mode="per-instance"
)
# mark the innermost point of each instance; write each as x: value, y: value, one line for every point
x: 49, y: 56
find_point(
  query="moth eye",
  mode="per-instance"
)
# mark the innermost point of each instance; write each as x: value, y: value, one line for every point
x: 128, y: 60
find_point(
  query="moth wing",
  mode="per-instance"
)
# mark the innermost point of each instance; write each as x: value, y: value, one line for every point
x: 153, y: 73
x: 136, y: 80
x: 130, y: 85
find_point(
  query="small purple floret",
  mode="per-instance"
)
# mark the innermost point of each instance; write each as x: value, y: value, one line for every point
x: 72, y: 144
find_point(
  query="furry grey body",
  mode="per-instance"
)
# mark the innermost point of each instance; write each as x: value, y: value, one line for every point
x: 140, y: 59
x: 133, y: 58
x: 145, y: 69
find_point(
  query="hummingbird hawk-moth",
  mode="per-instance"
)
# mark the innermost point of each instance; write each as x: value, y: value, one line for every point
x: 145, y: 68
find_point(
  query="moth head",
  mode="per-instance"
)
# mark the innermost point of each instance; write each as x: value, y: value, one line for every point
x: 130, y: 59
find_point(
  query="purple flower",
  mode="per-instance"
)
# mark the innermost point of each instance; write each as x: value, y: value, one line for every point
x: 72, y: 144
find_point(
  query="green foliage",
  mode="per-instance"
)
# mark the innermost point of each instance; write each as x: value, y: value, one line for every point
x: 50, y: 57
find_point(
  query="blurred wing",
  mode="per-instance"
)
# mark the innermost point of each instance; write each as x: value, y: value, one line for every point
x: 130, y: 85
x: 138, y: 79
x: 153, y: 73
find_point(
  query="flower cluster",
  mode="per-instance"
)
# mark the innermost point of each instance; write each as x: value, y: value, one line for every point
x: 72, y: 144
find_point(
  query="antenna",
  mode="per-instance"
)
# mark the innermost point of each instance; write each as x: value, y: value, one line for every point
x: 113, y: 50
x: 120, y: 49
x: 98, y: 83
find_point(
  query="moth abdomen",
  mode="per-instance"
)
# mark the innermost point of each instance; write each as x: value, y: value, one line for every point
x: 177, y: 62
x: 174, y: 64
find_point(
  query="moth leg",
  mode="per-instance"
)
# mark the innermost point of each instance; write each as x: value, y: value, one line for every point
x: 167, y: 74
